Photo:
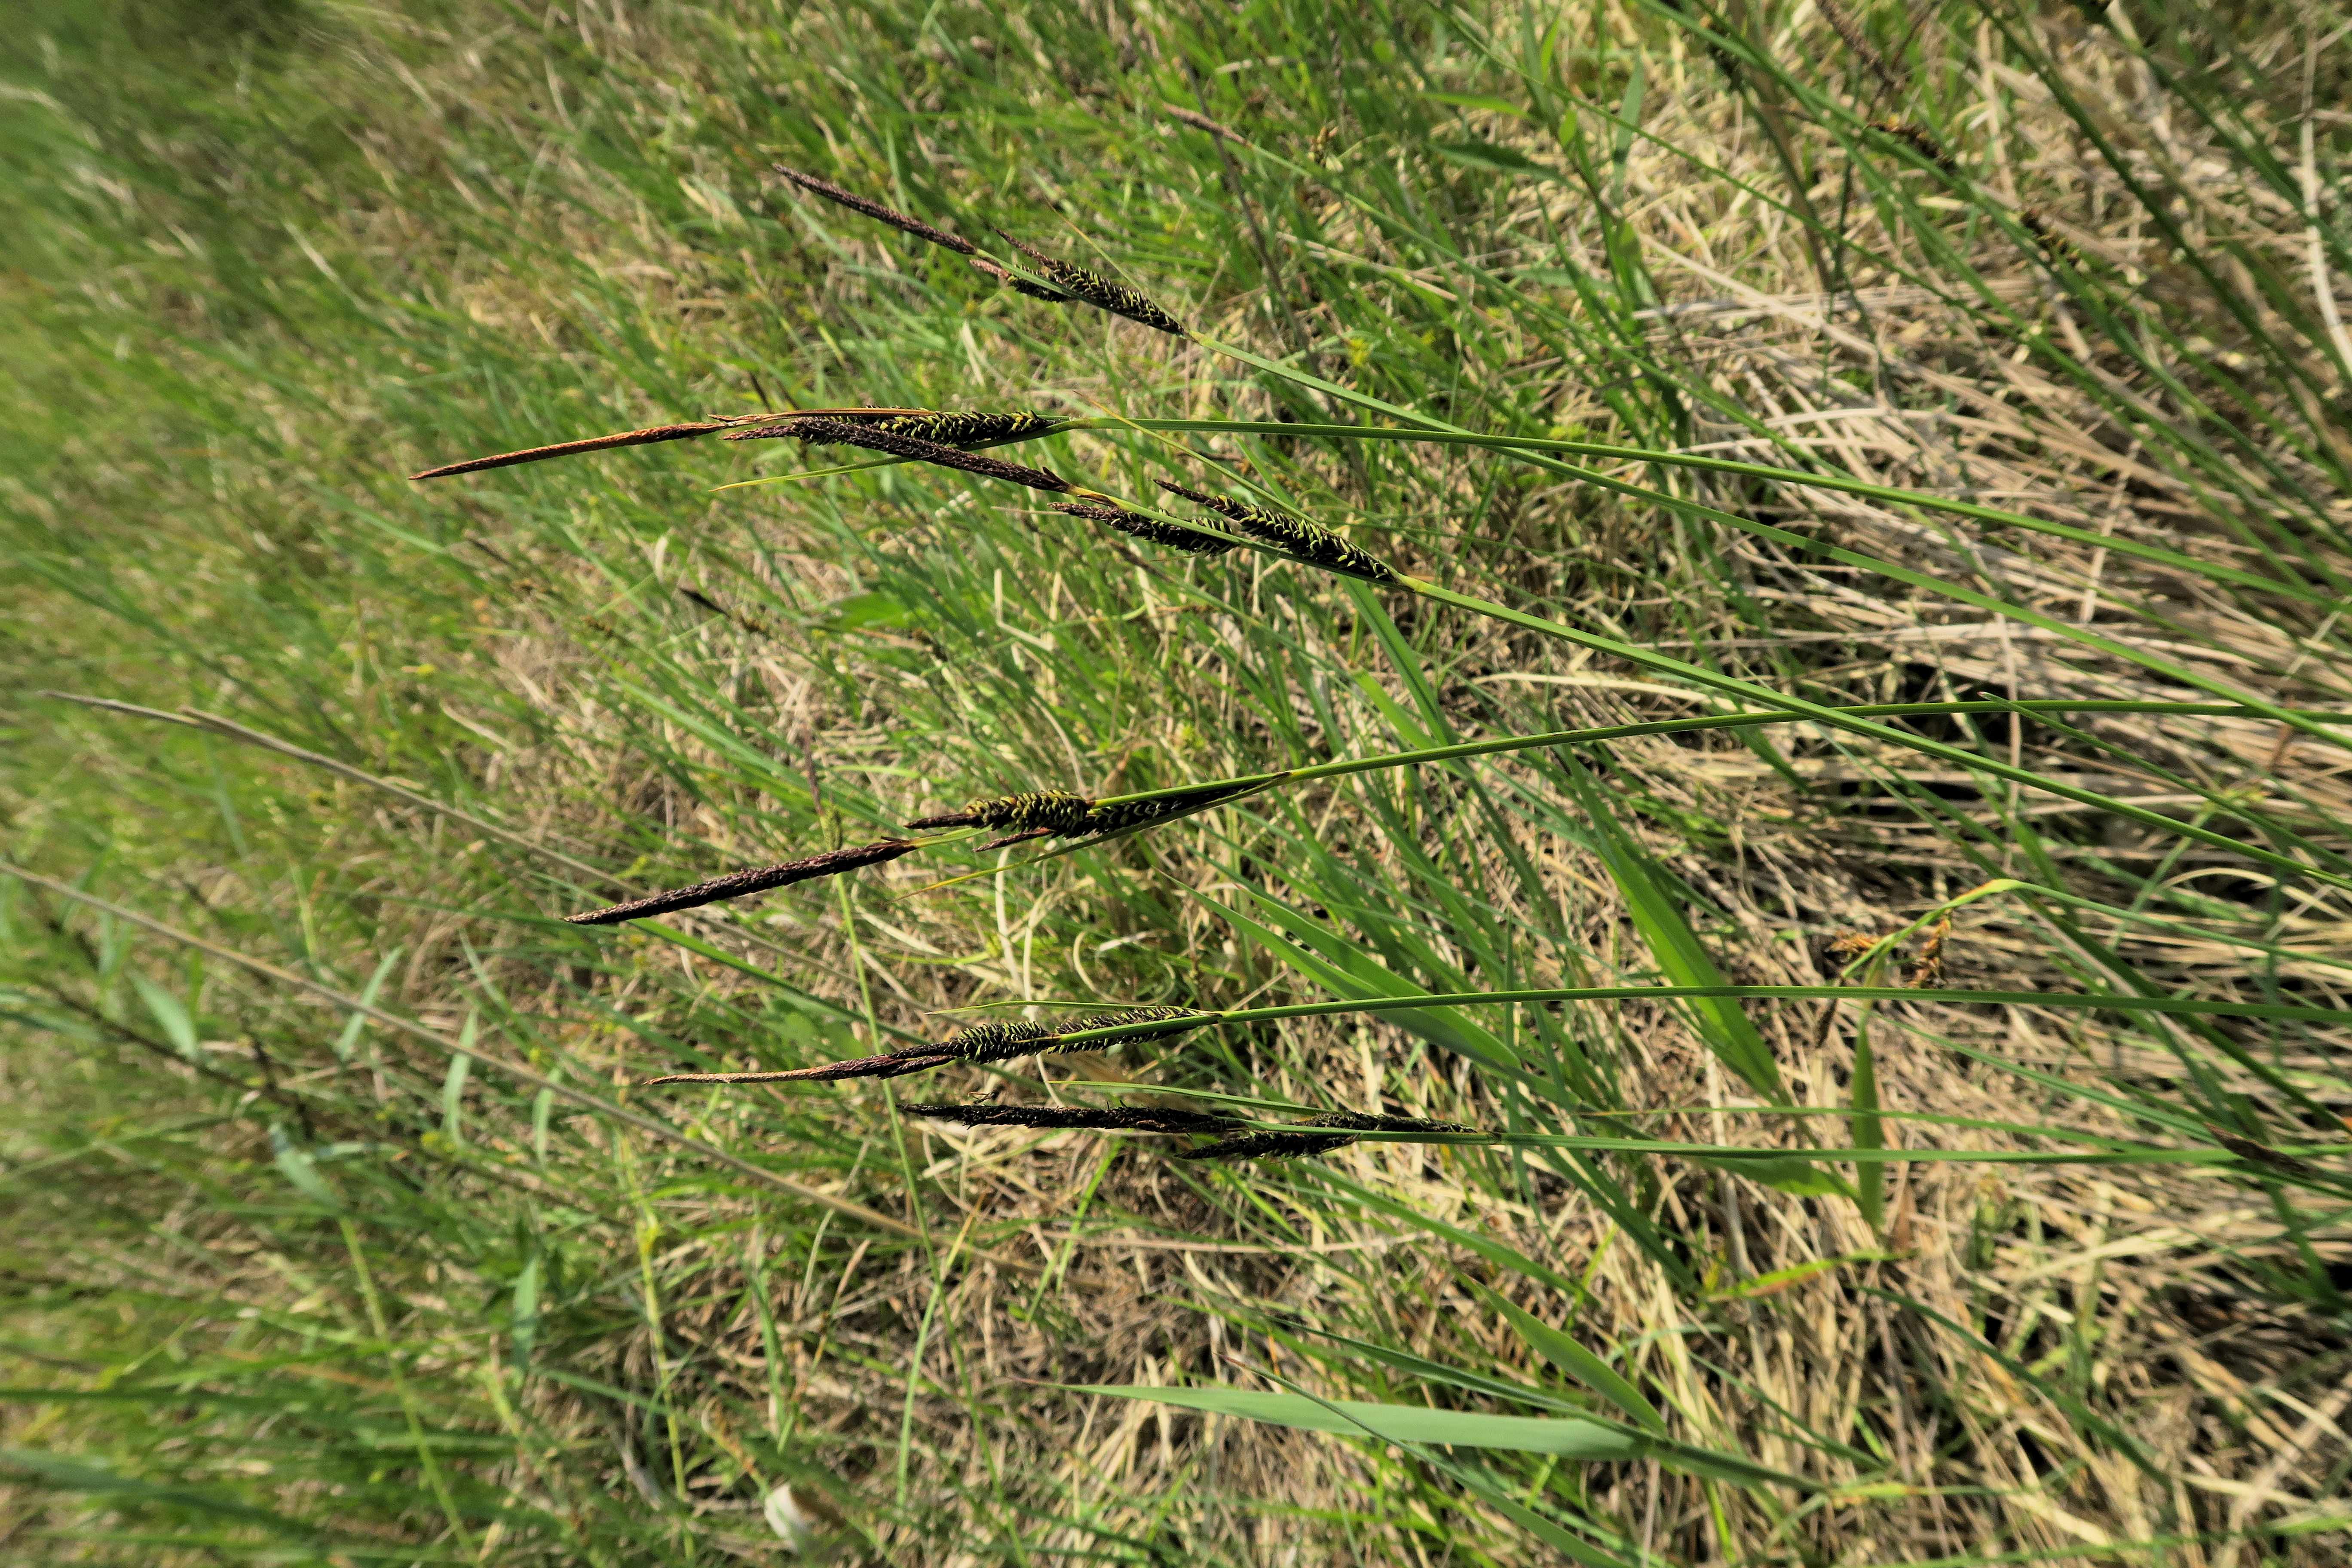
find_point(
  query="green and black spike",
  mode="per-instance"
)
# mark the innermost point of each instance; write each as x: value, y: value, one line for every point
x: 1310, y: 543
x: 1174, y: 535
x: 1097, y: 290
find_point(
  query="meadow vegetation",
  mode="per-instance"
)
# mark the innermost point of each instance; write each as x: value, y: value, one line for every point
x: 1816, y: 627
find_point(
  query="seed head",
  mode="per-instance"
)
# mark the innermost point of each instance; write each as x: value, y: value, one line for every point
x: 1133, y: 1024
x: 1122, y: 1118
x: 1095, y: 289
x: 1052, y: 810
x: 971, y: 429
x: 2054, y: 246
x: 1126, y: 815
x: 1018, y: 284
x: 1310, y: 543
x: 829, y: 431
x: 966, y: 429
x: 2255, y: 1154
x: 1859, y: 42
x: 1919, y: 139
x: 875, y: 210
x: 1927, y: 971
x: 1269, y: 1146
x: 1287, y: 1144
x: 737, y: 884
x: 644, y: 438
x: 1174, y: 535
x: 1003, y: 1042
x: 890, y: 1065
x: 981, y: 1043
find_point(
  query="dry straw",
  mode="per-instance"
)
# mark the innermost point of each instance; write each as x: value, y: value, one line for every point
x: 737, y: 884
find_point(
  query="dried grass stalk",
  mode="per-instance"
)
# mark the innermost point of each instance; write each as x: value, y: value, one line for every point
x: 876, y: 211
x: 644, y: 438
x: 843, y: 432
x: 737, y: 884
x: 1310, y: 543
x: 1200, y: 121
x: 1097, y: 290
x: 1175, y: 535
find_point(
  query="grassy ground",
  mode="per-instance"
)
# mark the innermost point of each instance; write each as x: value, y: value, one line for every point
x: 334, y: 1230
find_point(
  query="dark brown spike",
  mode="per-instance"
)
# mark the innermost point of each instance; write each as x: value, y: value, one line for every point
x: 1859, y: 43
x: 1175, y: 535
x: 841, y: 432
x: 891, y: 1064
x: 2055, y: 247
x: 644, y: 438
x: 1122, y: 816
x: 1310, y: 542
x: 1367, y: 1122
x: 1270, y: 1146
x: 1920, y: 139
x: 1345, y: 1126
x: 2255, y: 1154
x: 737, y: 884
x: 1120, y: 1119
x: 981, y: 1043
x: 1097, y: 290
x: 962, y: 431
x: 875, y: 210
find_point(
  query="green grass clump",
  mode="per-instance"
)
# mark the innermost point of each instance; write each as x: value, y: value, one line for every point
x: 1727, y: 799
